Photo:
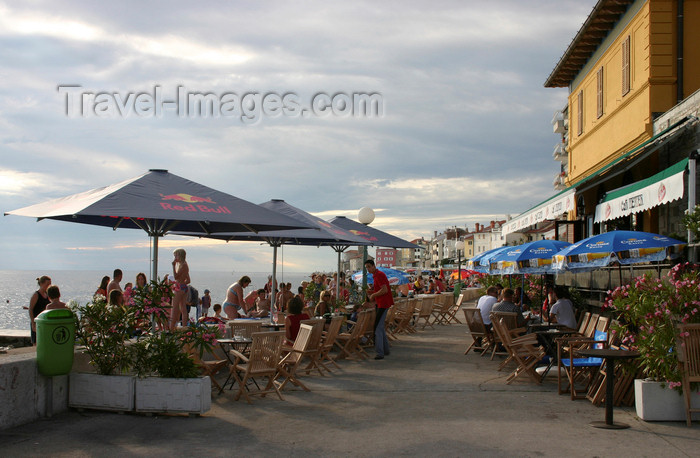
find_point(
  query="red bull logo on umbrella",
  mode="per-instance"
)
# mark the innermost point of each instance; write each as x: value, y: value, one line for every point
x: 364, y: 235
x: 192, y: 200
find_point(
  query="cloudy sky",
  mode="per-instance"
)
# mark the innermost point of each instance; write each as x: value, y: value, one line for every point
x: 464, y: 134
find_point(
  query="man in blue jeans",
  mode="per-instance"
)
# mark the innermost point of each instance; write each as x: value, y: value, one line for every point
x: 381, y: 295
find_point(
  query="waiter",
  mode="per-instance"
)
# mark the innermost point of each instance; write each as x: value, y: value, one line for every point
x: 381, y: 295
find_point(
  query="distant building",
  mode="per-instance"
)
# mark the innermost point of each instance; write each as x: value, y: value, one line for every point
x: 386, y: 257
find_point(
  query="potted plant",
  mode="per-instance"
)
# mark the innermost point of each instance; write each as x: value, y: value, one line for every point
x: 133, y: 339
x: 103, y: 331
x: 168, y: 378
x: 649, y: 311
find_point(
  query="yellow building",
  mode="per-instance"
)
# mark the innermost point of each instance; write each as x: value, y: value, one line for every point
x: 633, y: 74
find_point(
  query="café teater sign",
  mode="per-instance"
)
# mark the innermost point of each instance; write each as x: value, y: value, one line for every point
x: 659, y: 189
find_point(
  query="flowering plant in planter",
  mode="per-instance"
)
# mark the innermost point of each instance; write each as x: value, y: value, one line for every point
x: 165, y: 354
x: 649, y: 310
x: 103, y: 330
x: 152, y: 300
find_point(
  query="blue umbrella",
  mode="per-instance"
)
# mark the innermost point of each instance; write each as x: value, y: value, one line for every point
x: 395, y: 277
x: 528, y: 258
x: 481, y: 262
x: 626, y: 247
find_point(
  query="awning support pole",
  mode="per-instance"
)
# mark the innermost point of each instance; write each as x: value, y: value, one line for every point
x: 691, y: 199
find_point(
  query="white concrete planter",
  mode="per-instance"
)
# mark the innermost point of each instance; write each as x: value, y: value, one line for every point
x: 103, y: 392
x: 176, y: 395
x: 656, y: 403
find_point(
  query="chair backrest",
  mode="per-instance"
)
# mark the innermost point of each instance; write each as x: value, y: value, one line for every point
x: 501, y: 329
x: 603, y: 324
x: 245, y: 328
x: 301, y: 343
x: 426, y: 306
x: 689, y: 351
x: 459, y: 300
x: 333, y: 331
x: 474, y: 321
x: 509, y: 318
x: 316, y: 333
x: 265, y: 350
x: 590, y: 327
x: 584, y: 322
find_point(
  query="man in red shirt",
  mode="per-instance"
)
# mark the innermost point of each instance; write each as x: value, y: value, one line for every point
x: 381, y: 295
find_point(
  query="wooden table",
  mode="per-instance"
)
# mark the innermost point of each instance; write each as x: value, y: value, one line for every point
x: 610, y: 355
x: 236, y: 341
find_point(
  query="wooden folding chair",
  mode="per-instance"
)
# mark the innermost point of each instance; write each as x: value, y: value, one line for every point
x: 510, y: 320
x: 481, y: 338
x: 263, y: 362
x: 288, y: 365
x: 441, y: 309
x: 312, y: 350
x: 349, y: 343
x: 452, y: 314
x: 207, y: 368
x: 689, y: 357
x: 327, y: 343
x: 579, y: 372
x: 425, y: 311
x: 524, y: 350
x: 402, y: 318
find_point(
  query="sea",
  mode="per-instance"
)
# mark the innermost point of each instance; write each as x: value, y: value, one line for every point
x: 17, y: 287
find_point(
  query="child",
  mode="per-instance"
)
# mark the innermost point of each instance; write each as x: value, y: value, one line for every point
x: 55, y: 297
x: 205, y: 302
x: 216, y: 319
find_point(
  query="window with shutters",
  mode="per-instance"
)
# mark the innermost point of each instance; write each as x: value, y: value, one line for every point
x: 626, y: 66
x: 600, y: 92
x: 579, y: 123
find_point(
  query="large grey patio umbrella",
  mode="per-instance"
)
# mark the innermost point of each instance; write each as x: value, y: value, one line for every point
x: 159, y: 202
x: 322, y: 234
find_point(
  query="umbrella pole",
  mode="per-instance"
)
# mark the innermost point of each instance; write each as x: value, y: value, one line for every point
x: 154, y: 257
x: 274, y: 280
x: 337, y: 283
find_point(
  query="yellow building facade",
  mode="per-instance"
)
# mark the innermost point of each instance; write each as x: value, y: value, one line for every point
x: 622, y: 70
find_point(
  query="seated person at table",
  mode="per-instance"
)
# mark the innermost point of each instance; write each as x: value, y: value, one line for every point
x: 324, y: 306
x: 525, y: 303
x: 486, y: 303
x: 292, y: 322
x: 216, y: 319
x: 507, y: 305
x: 563, y: 309
x: 262, y: 305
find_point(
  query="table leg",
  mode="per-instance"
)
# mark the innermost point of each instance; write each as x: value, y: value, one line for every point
x: 609, y: 393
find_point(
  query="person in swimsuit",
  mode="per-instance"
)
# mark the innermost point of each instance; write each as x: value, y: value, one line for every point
x: 102, y: 290
x: 234, y: 304
x: 181, y: 273
x: 38, y: 303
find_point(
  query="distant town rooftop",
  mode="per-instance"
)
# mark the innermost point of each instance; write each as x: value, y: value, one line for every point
x: 600, y: 22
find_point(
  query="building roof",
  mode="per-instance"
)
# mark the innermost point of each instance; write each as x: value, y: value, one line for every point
x: 605, y: 14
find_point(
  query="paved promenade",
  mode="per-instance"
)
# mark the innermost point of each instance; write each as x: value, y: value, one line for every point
x: 426, y: 399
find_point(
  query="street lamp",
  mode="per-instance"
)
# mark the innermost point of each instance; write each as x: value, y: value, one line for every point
x: 365, y: 216
x: 459, y: 245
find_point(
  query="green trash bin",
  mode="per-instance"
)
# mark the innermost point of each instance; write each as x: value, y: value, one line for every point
x: 55, y: 341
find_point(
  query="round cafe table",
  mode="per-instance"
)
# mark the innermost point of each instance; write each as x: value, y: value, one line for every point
x: 610, y: 355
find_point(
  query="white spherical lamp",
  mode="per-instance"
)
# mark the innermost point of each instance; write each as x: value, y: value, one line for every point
x: 365, y: 215
x: 459, y: 245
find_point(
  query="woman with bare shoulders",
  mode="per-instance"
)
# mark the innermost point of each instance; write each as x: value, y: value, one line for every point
x: 181, y: 273
x: 234, y: 306
x: 102, y: 290
x: 141, y: 280
x: 38, y: 302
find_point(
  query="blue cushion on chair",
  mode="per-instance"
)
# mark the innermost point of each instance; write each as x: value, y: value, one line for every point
x: 582, y: 362
x: 600, y: 336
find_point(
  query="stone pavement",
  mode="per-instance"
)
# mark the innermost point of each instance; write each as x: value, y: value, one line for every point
x: 426, y: 399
